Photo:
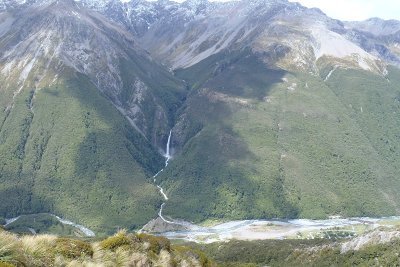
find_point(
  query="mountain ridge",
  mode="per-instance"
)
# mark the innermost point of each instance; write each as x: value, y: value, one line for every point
x: 276, y: 111
x: 69, y: 78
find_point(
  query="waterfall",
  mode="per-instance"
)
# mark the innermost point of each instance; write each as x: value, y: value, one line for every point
x: 167, y: 158
x: 162, y: 192
x: 167, y: 154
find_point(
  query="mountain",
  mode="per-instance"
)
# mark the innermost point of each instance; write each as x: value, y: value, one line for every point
x: 181, y: 35
x: 82, y: 110
x: 276, y: 111
x: 377, y: 36
x: 285, y: 116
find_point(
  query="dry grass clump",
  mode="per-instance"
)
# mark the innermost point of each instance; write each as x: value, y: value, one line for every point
x: 26, y: 250
x: 10, y: 250
x: 122, y: 249
x: 37, y: 250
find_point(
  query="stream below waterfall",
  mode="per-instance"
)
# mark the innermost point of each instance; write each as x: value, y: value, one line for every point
x: 167, y: 158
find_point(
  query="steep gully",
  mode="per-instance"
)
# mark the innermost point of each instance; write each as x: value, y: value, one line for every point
x: 167, y: 159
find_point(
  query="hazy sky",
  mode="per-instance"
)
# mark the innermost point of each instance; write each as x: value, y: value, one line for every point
x: 352, y: 9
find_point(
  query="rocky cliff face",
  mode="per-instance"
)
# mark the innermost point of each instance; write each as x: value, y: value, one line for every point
x: 65, y: 33
x: 184, y: 34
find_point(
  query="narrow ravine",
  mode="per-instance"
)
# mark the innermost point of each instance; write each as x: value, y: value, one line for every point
x: 167, y: 158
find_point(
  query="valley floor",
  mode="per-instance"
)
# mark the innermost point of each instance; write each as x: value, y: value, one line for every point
x: 290, y: 229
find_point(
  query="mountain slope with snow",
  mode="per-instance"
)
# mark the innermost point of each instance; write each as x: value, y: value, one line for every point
x: 268, y: 108
x: 182, y: 35
x: 83, y: 109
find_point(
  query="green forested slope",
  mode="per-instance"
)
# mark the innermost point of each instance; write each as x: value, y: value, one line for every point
x: 262, y: 143
x: 249, y: 140
x: 74, y: 155
x: 83, y: 114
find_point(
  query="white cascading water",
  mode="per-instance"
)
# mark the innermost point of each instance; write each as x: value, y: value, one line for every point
x: 167, y: 158
x: 167, y: 153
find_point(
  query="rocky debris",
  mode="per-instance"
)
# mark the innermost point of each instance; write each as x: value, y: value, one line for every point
x: 378, y: 236
x: 160, y: 226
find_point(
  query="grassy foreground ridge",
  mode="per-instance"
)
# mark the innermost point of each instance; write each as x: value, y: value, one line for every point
x: 122, y: 249
x: 376, y: 248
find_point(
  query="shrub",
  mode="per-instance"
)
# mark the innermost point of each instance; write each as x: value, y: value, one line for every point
x: 6, y: 264
x: 120, y: 239
x: 72, y: 248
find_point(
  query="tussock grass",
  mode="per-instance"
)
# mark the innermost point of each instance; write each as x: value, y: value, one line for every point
x: 121, y: 249
x: 10, y: 249
x: 38, y: 249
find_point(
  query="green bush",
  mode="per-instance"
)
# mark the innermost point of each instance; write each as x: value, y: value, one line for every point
x: 73, y: 248
x: 6, y: 264
x: 118, y: 240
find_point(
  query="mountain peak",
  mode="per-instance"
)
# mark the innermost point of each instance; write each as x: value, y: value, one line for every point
x: 196, y: 2
x: 376, y: 26
x: 198, y: 6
